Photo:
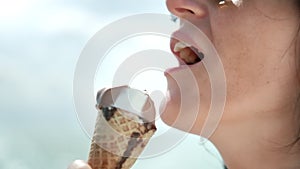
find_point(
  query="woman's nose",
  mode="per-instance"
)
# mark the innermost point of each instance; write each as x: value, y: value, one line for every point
x: 187, y: 9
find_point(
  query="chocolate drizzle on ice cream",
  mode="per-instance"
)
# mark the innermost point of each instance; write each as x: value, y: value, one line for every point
x: 133, y: 142
x: 108, y: 112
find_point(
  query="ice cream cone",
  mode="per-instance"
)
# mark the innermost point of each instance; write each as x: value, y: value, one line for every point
x: 119, y: 138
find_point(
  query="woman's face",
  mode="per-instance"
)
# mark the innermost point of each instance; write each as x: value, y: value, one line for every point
x: 256, y: 44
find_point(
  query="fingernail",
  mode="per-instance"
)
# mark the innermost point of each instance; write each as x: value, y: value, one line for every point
x: 79, y: 164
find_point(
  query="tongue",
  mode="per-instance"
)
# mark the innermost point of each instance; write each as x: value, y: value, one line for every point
x: 190, y: 55
x: 199, y: 55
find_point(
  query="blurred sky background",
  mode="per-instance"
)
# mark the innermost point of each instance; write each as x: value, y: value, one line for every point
x: 40, y: 42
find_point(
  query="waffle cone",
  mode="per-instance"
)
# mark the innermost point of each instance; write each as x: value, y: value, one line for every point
x: 119, y: 138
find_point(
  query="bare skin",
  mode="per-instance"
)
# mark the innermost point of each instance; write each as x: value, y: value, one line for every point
x: 256, y: 43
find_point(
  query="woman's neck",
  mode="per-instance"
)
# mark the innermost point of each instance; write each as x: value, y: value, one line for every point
x: 262, y: 141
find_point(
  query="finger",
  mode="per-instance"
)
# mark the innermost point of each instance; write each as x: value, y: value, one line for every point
x: 79, y: 164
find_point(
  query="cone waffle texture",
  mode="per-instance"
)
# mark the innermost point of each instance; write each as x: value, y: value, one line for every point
x: 119, y: 138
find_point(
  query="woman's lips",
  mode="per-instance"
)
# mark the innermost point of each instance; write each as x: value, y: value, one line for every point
x: 173, y: 42
x: 185, y: 52
x: 183, y: 58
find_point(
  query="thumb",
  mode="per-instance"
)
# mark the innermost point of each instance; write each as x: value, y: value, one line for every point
x: 79, y: 164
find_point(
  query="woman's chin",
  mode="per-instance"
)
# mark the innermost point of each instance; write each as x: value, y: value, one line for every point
x: 169, y: 114
x: 182, y: 102
x: 174, y: 112
x: 173, y: 116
